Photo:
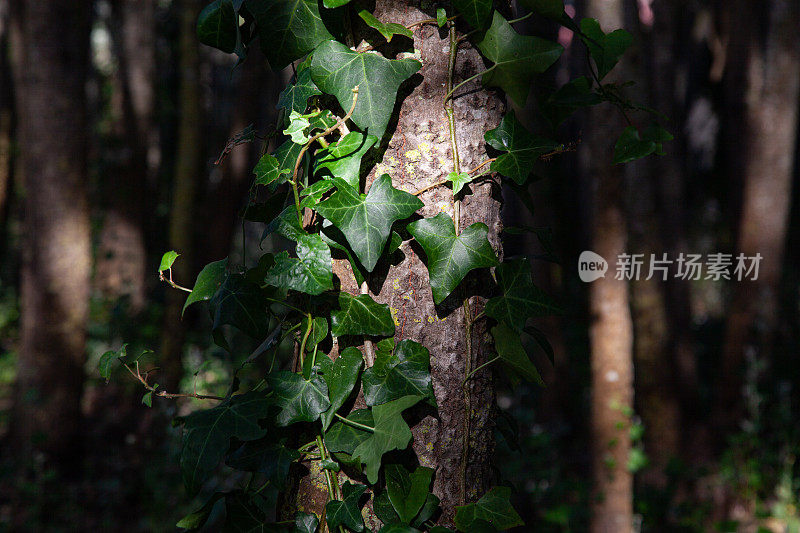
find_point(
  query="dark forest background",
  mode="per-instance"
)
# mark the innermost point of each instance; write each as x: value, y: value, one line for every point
x: 717, y: 375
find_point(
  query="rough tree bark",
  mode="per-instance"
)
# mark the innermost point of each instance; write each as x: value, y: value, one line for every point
x: 122, y: 254
x: 6, y: 124
x: 457, y: 441
x: 50, y: 41
x: 187, y: 173
x: 610, y: 332
x: 764, y: 63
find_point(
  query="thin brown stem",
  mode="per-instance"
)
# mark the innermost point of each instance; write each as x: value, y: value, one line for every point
x: 164, y: 394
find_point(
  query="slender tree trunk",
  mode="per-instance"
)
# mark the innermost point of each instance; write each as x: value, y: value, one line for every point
x: 6, y: 124
x: 765, y: 55
x: 610, y: 332
x: 457, y: 441
x: 51, y: 59
x: 122, y: 254
x: 187, y: 173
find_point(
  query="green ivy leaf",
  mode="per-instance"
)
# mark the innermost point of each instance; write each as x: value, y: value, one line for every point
x: 391, y: 433
x: 147, y: 399
x: 548, y: 8
x: 343, y: 158
x: 449, y: 256
x: 295, y: 96
x: 319, y: 330
x: 541, y: 339
x: 632, y: 146
x: 334, y: 237
x: 407, y: 491
x: 341, y: 379
x: 248, y: 512
x: 167, y: 260
x: 196, y: 519
x: 108, y: 359
x: 494, y: 507
x: 429, y: 508
x: 361, y: 315
x: 441, y: 17
x: 240, y: 303
x: 207, y: 283
x: 300, y: 400
x: 521, y: 299
x: 517, y: 59
x: 297, y: 128
x: 346, y: 512
x: 266, y: 456
x: 310, y: 272
x: 218, y: 26
x: 568, y: 98
x: 384, y: 510
x: 278, y: 167
x: 509, y: 349
x: 475, y: 12
x: 331, y: 4
x: 398, y: 371
x: 522, y: 149
x: 366, y: 220
x: 388, y: 30
x: 459, y: 180
x: 288, y: 29
x: 207, y: 434
x: 345, y: 438
x: 605, y: 49
x: 337, y: 70
x: 398, y: 528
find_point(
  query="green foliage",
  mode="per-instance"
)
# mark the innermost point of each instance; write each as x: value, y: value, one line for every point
x: 366, y: 219
x: 517, y: 58
x: 449, y: 256
x: 336, y: 70
x: 292, y: 295
x: 522, y: 149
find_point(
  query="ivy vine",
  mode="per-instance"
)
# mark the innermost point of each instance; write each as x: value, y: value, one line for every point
x: 292, y: 295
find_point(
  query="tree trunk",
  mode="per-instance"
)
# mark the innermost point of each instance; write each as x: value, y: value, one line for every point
x: 187, y: 173
x: 765, y: 54
x: 457, y: 441
x: 6, y: 126
x: 50, y: 42
x: 610, y: 333
x: 121, y: 268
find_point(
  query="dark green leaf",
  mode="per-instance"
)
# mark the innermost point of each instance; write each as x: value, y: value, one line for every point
x: 388, y: 30
x: 337, y: 70
x: 477, y: 13
x: 266, y: 456
x: 391, y: 433
x: 346, y: 512
x: 305, y: 522
x: 340, y: 380
x: 605, y: 49
x: 288, y: 29
x: 240, y: 303
x: 208, y: 282
x: 449, y: 256
x: 569, y: 98
x: 196, y: 519
x: 343, y: 158
x: 429, y: 509
x: 295, y: 96
x: 218, y: 26
x: 246, y: 512
x: 398, y: 371
x: 440, y: 529
x: 632, y: 146
x: 541, y: 340
x: 310, y: 272
x: 167, y: 260
x: 509, y: 348
x: 548, y: 8
x: 384, y: 510
x: 329, y: 464
x: 108, y: 359
x: 366, y: 220
x: 147, y: 399
x: 522, y: 149
x: 319, y: 330
x: 207, y: 434
x: 517, y: 58
x: 407, y: 492
x: 300, y: 400
x: 398, y: 528
x: 361, y: 315
x: 521, y: 299
x: 336, y: 239
x: 345, y: 438
x: 494, y: 507
x: 277, y: 168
